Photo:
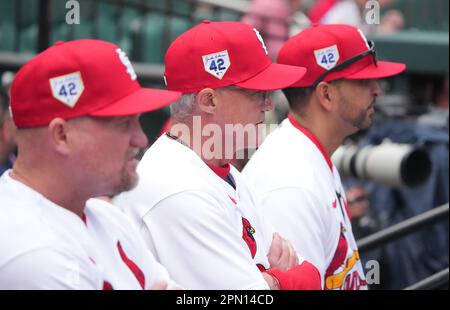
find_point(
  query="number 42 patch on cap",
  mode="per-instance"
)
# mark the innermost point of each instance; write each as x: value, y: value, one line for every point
x: 217, y: 64
x: 327, y: 57
x: 67, y: 88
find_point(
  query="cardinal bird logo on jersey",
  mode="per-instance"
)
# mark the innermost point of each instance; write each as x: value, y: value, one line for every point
x: 247, y: 234
x: 338, y: 260
x: 340, y: 267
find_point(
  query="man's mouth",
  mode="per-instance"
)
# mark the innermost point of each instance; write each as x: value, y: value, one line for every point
x: 134, y: 154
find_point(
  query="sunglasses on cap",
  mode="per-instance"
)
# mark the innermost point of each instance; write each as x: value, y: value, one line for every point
x: 372, y: 51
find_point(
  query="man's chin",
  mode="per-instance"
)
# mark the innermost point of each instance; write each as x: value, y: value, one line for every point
x: 127, y: 184
x: 366, y: 125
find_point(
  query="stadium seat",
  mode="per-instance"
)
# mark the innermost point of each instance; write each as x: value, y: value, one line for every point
x: 7, y: 29
x: 148, y: 39
x: 28, y: 25
x: 129, y: 17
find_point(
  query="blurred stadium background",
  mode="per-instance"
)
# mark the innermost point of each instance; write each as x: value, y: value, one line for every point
x: 145, y: 28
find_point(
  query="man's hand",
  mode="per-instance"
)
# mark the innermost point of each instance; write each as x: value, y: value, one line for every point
x: 163, y: 286
x: 272, y: 281
x: 159, y: 286
x: 282, y: 255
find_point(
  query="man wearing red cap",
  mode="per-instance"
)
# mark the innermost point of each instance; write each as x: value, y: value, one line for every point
x: 76, y: 106
x: 195, y: 211
x: 300, y: 187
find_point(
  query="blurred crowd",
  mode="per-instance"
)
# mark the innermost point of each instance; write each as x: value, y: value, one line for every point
x: 280, y: 19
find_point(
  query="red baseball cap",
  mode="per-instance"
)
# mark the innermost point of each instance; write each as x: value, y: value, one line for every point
x: 221, y: 54
x: 81, y: 78
x: 332, y: 52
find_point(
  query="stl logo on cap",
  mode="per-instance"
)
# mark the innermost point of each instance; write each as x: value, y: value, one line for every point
x: 217, y: 64
x: 127, y: 63
x: 327, y: 57
x: 260, y: 38
x: 67, y: 88
x: 364, y: 38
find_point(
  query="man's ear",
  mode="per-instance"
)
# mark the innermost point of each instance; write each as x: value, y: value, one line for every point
x: 9, y: 130
x: 57, y: 135
x: 207, y: 100
x: 326, y: 94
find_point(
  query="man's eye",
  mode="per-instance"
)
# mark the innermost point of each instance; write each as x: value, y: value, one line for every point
x: 125, y: 122
x: 364, y: 83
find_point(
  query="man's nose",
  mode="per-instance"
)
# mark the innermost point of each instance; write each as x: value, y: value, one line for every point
x: 377, y: 90
x: 139, y: 138
x: 268, y: 104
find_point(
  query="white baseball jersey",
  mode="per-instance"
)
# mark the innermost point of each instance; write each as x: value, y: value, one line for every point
x: 207, y: 234
x: 44, y: 246
x: 304, y: 199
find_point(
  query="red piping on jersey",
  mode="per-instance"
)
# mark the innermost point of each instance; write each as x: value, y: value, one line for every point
x: 347, y: 210
x: 107, y: 286
x: 222, y: 172
x: 313, y: 139
x: 133, y: 267
x: 261, y: 267
x: 233, y: 200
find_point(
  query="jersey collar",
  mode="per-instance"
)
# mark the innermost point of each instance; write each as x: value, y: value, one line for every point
x: 222, y: 172
x: 313, y: 139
